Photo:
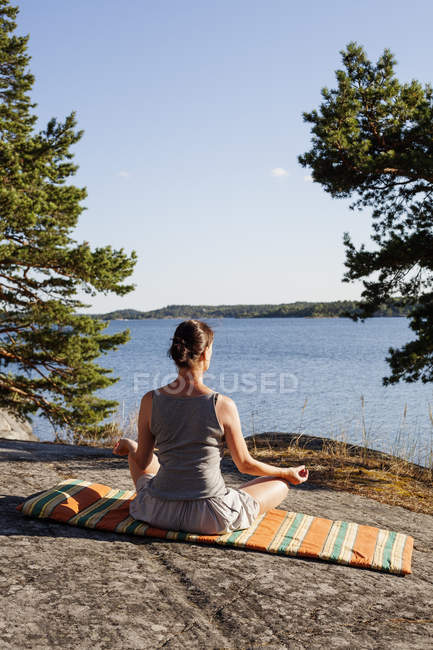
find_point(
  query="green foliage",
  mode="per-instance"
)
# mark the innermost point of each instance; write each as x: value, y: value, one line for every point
x: 372, y: 139
x: 338, y: 308
x: 46, y: 349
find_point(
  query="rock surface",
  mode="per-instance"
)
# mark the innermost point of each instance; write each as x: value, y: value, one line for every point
x: 14, y: 429
x: 67, y: 587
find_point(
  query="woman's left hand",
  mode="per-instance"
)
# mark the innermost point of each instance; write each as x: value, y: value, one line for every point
x: 296, y: 475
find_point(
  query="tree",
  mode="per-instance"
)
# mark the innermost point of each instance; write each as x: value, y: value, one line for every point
x: 372, y: 139
x: 49, y: 346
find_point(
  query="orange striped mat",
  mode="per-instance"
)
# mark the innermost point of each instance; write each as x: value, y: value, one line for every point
x: 93, y: 505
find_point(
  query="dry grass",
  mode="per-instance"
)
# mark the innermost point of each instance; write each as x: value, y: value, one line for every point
x: 117, y: 428
x: 357, y: 469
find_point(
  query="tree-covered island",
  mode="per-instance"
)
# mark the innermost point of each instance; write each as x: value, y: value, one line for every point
x: 335, y: 309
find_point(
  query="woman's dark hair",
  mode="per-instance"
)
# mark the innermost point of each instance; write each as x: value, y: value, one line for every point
x: 189, y: 342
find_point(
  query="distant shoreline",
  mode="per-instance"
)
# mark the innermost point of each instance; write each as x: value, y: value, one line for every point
x: 335, y: 309
x: 241, y: 317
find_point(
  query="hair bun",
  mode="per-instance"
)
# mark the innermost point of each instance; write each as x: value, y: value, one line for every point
x: 189, y: 341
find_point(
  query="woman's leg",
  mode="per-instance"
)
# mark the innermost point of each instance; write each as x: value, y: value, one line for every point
x: 123, y: 447
x: 268, y: 491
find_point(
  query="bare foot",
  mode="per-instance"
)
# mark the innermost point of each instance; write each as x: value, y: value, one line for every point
x: 122, y: 447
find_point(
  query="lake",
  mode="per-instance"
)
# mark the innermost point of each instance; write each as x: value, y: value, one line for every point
x: 315, y: 376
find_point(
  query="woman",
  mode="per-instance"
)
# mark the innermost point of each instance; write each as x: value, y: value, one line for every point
x: 183, y: 488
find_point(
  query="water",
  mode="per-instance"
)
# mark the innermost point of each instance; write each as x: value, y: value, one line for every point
x: 291, y: 375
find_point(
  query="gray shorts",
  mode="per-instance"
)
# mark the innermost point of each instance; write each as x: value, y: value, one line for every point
x: 235, y: 510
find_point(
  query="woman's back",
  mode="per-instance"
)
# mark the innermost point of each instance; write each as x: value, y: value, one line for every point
x: 190, y: 444
x: 182, y: 488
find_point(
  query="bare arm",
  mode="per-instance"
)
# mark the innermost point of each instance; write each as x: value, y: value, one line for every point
x: 146, y: 441
x: 246, y: 464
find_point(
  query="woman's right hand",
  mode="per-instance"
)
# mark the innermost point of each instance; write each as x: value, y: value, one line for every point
x: 295, y: 475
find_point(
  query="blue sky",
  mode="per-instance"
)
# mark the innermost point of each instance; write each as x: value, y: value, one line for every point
x: 189, y: 110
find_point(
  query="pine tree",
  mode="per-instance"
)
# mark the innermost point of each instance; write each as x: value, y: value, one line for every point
x: 46, y: 348
x: 373, y: 139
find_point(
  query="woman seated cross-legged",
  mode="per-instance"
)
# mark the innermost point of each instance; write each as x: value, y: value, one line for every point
x: 182, y: 487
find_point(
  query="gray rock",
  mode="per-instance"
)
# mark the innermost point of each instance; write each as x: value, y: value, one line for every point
x: 13, y: 428
x: 68, y: 587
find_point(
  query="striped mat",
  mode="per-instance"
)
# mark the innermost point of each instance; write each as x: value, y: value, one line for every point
x: 93, y: 505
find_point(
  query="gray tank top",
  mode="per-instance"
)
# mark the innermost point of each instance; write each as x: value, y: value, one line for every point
x: 190, y: 446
